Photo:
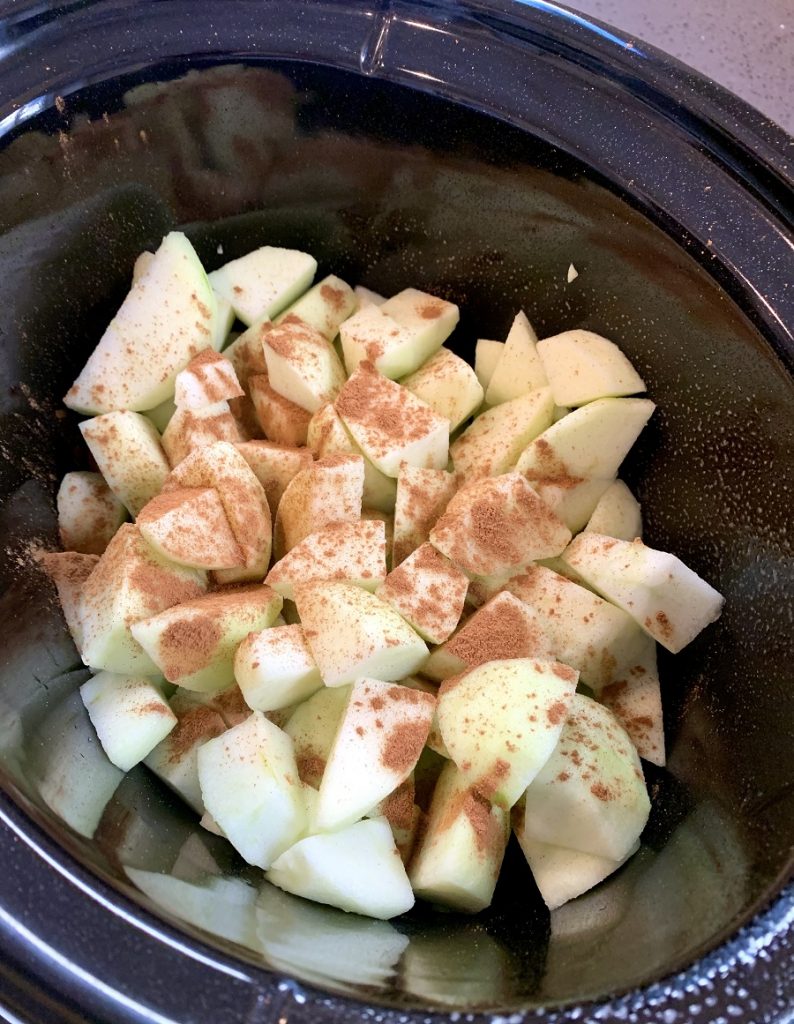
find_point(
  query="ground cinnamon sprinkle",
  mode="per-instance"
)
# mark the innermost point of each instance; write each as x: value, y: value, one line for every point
x: 187, y: 645
x: 501, y: 629
x: 563, y: 672
x: 384, y: 408
x: 488, y: 835
x: 153, y: 707
x: 550, y: 468
x: 664, y: 625
x: 600, y: 791
x: 334, y: 296
x: 488, y: 784
x: 404, y: 744
x: 310, y: 768
x: 197, y: 724
x: 556, y: 712
x: 398, y: 807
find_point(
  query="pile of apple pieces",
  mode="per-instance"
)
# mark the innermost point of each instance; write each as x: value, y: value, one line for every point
x: 351, y: 625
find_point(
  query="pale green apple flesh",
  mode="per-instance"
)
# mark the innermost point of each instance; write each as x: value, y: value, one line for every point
x: 281, y: 421
x: 208, y: 378
x: 448, y: 385
x: 274, y: 668
x: 422, y: 496
x: 69, y: 570
x: 274, y: 466
x: 323, y: 307
x: 129, y: 455
x: 313, y: 726
x: 428, y: 591
x: 617, y: 514
x: 175, y: 758
x: 519, y: 370
x: 328, y: 491
x: 582, y: 366
x: 189, y: 527
x: 486, y: 356
x: 190, y: 429
x: 264, y: 282
x: 635, y: 699
x: 302, y: 365
x: 89, y: 513
x: 352, y: 551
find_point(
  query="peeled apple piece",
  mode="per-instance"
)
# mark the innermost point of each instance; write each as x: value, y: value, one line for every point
x: 274, y: 668
x: 449, y: 386
x: 313, y: 726
x: 302, y: 366
x: 486, y: 357
x: 189, y: 429
x: 422, y: 496
x: 69, y: 570
x: 274, y: 466
x: 327, y: 491
x: 175, y: 759
x: 617, y: 514
x: 635, y: 699
x: 127, y: 450
x: 208, y: 378
x: 264, y: 282
x: 582, y: 366
x: 165, y: 320
x: 88, y: 513
x: 129, y: 714
x: 281, y: 421
x: 189, y: 527
x: 519, y: 369
x: 428, y: 591
x: 323, y: 307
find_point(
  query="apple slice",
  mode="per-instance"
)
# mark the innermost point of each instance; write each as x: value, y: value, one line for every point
x: 582, y: 366
x: 665, y: 597
x: 89, y: 513
x: 357, y: 869
x: 329, y: 491
x: 190, y: 429
x: 250, y: 786
x: 164, y: 321
x: 189, y: 526
x: 313, y: 726
x: 323, y: 307
x: 274, y: 466
x: 129, y: 714
x: 130, y: 582
x: 282, y: 421
x: 461, y: 850
x: 486, y: 356
x: 175, y: 759
x: 496, y: 438
x: 264, y: 282
x: 390, y: 425
x: 274, y: 668
x: 69, y: 570
x: 428, y: 591
x: 352, y: 633
x: 380, y: 737
x: 207, y: 379
x: 193, y: 643
x: 127, y: 450
x: 519, y: 369
x: 498, y: 525
x: 636, y: 701
x: 617, y: 514
x: 301, y: 365
x: 222, y: 323
x: 353, y: 551
x: 448, y: 385
x: 590, y: 794
x: 422, y: 496
x: 501, y: 721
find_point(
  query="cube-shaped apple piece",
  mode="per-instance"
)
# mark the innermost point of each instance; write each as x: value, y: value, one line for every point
x: 357, y: 869
x: 130, y: 582
x: 189, y: 429
x: 313, y: 726
x: 329, y: 491
x: 519, y: 369
x: 189, y: 526
x: 354, y: 551
x: 391, y: 426
x: 487, y: 354
x: 422, y: 496
x: 380, y: 737
x: 617, y: 514
x: 89, y: 513
x: 428, y: 591
x: 250, y: 786
x: 496, y: 438
x: 503, y: 628
x: 323, y: 307
x: 207, y: 379
x: 127, y: 450
x: 175, y: 759
x: 501, y: 721
x: 449, y: 386
x: 582, y: 366
x: 301, y: 365
x: 129, y: 714
x: 282, y: 421
x: 274, y: 668
x: 635, y: 699
x: 264, y: 282
x: 352, y: 633
x: 69, y: 570
x: 590, y: 794
x: 461, y: 849
x: 274, y: 466
x: 664, y: 596
x: 498, y: 525
x: 193, y: 643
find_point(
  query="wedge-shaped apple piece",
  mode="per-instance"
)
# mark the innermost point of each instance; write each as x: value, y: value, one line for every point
x: 448, y: 385
x: 380, y: 737
x: 189, y: 429
x: 281, y: 421
x: 617, y: 514
x: 582, y: 366
x: 329, y: 491
x: 130, y: 582
x: 165, y: 320
x: 668, y: 600
x: 519, y: 369
x: 69, y: 570
x: 221, y: 466
x: 428, y: 591
x: 462, y: 847
x: 250, y: 786
x: 428, y: 319
x: 264, y: 282
x: 503, y: 628
x: 573, y: 462
x: 274, y: 466
x: 175, y: 759
x: 390, y: 425
x: 274, y: 668
x: 501, y: 721
x: 189, y: 526
x: 127, y: 450
x: 222, y: 323
x: 207, y: 379
x: 193, y: 643
x: 129, y: 714
x: 301, y: 365
x: 89, y: 513
x: 635, y: 699
x: 593, y: 636
x: 590, y: 794
x: 323, y: 307
x: 496, y: 438
x: 487, y: 354
x: 354, y: 551
x: 422, y: 496
x: 227, y: 702
x: 313, y: 726
x: 498, y: 525
x: 357, y: 869
x: 352, y: 634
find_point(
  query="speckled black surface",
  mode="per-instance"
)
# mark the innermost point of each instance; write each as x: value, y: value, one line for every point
x: 662, y: 190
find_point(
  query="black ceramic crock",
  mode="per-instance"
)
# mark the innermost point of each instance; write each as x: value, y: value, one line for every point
x: 474, y: 149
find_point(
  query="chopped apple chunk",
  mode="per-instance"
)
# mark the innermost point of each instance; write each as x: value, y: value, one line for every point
x: 207, y: 379
x: 422, y: 496
x: 323, y: 307
x: 189, y: 526
x: 519, y: 370
x: 354, y: 551
x: 189, y: 429
x: 428, y: 591
x: 282, y: 421
x: 582, y: 366
x: 89, y: 513
x: 302, y: 365
x: 329, y: 491
x: 274, y: 466
x: 264, y: 282
x: 69, y: 570
x: 130, y: 457
x: 274, y: 668
x: 448, y: 385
